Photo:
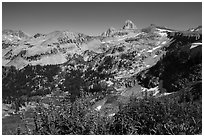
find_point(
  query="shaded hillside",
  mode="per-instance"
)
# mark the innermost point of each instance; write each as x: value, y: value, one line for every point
x: 181, y: 65
x: 28, y: 82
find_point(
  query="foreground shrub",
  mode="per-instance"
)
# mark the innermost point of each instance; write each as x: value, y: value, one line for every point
x: 161, y: 116
x: 156, y: 117
x: 69, y: 118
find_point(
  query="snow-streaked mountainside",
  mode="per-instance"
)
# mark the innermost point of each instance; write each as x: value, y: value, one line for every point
x: 19, y: 49
x: 114, y: 67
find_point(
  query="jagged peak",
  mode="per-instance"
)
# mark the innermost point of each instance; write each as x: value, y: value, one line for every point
x: 109, y: 32
x: 38, y: 35
x: 15, y: 32
x: 199, y: 28
x: 129, y: 25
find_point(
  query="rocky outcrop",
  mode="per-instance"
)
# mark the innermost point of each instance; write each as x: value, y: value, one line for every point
x: 72, y: 38
x: 13, y: 37
x: 109, y: 32
x: 129, y: 25
x: 18, y: 33
x: 38, y: 35
x: 186, y: 36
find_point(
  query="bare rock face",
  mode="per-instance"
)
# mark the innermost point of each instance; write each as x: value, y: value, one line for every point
x: 109, y: 32
x: 38, y: 35
x: 129, y: 25
x: 13, y: 36
x: 17, y: 33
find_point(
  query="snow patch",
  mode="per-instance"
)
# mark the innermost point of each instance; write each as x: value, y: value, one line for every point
x: 110, y: 115
x: 98, y: 108
x: 54, y: 59
x: 149, y: 50
x: 194, y: 45
x: 154, y: 49
x: 163, y: 34
x: 163, y: 30
x: 164, y: 42
x: 109, y: 83
x: 167, y: 94
x: 154, y: 56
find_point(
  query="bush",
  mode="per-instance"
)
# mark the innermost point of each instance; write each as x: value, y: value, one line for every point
x: 69, y: 118
x: 161, y: 116
x: 156, y: 117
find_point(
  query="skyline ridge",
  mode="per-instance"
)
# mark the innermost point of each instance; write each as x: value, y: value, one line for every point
x: 99, y: 32
x: 92, y: 18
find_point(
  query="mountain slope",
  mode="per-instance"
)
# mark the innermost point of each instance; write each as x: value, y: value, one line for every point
x: 127, y: 74
x: 180, y: 65
x: 115, y: 67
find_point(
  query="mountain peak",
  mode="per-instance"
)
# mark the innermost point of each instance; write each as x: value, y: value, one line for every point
x: 129, y: 25
x: 18, y: 33
x: 199, y: 28
x: 109, y: 32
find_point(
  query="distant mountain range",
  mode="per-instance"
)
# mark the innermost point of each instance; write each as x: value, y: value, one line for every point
x: 19, y: 49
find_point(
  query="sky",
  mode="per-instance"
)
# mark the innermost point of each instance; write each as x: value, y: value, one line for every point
x: 95, y: 18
